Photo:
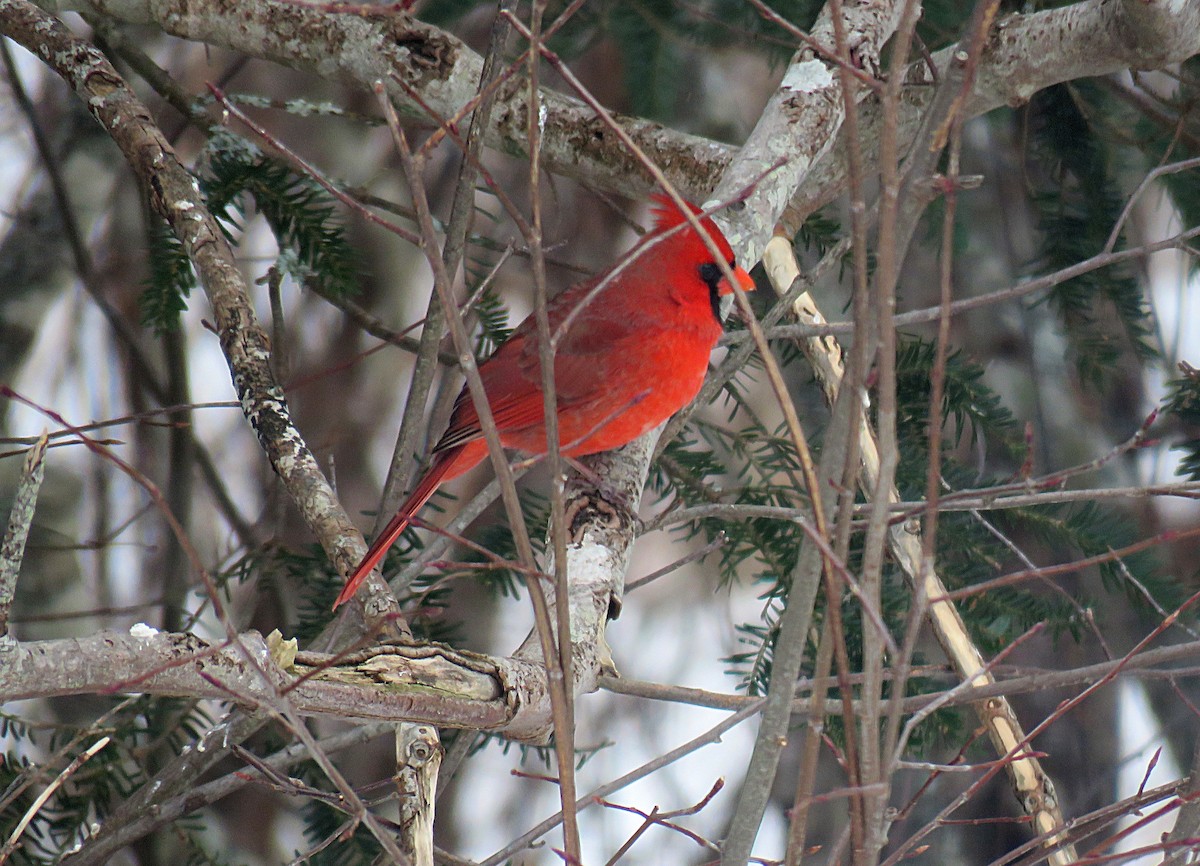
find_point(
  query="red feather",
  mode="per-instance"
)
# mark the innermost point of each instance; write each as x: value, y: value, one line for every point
x: 635, y: 354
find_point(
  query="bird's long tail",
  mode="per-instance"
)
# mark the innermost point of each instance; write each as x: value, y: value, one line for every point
x: 379, y: 548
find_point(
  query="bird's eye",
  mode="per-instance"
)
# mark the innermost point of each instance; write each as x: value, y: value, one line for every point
x: 710, y: 273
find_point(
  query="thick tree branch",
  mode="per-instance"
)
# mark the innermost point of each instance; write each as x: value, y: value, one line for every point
x: 421, y: 683
x: 1026, y: 53
x: 601, y: 532
x: 433, y: 63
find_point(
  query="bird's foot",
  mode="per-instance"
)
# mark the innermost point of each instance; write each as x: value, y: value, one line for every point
x: 616, y: 498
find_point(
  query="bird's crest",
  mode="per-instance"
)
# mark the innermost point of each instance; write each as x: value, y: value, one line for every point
x: 667, y: 214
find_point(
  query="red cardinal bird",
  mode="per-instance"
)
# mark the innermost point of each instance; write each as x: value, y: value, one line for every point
x: 632, y: 357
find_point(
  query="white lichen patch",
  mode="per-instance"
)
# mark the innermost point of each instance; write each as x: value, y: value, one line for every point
x: 591, y: 566
x: 304, y: 108
x: 286, y: 464
x: 589, y: 561
x: 810, y: 76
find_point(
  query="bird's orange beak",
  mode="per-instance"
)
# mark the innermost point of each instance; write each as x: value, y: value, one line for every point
x: 726, y: 305
x: 743, y: 279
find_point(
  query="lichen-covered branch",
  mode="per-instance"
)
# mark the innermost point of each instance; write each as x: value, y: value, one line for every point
x: 1026, y: 53
x: 600, y: 535
x: 427, y: 683
x: 12, y: 551
x: 174, y: 194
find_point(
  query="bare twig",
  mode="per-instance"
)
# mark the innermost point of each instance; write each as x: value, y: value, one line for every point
x: 1044, y: 571
x: 399, y: 476
x: 46, y: 794
x: 717, y: 543
x: 1053, y: 837
x: 710, y: 736
x: 557, y: 685
x: 801, y: 119
x: 564, y: 720
x: 1147, y: 181
x: 822, y: 328
x: 664, y: 819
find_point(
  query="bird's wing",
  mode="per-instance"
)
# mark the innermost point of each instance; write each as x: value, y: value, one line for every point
x: 600, y: 334
x: 512, y: 376
x: 515, y: 400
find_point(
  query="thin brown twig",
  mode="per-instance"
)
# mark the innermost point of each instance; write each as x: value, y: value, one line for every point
x: 964, y: 305
x: 457, y: 229
x: 132, y: 418
x: 664, y: 819
x: 979, y: 499
x: 373, y: 326
x: 712, y: 735
x: 303, y: 166
x: 1091, y: 823
x: 564, y: 720
x: 1041, y: 572
x: 462, y: 345
x: 155, y: 494
x: 1055, y: 836
x: 900, y: 741
x: 494, y: 186
x: 897, y: 731
x: 1150, y: 178
x: 810, y: 750
x: 896, y: 222
x: 1083, y: 614
x: 903, y: 813
x: 350, y: 801
x: 489, y: 85
x: 1015, y: 681
x: 835, y: 56
x: 210, y: 792
x: 717, y: 543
